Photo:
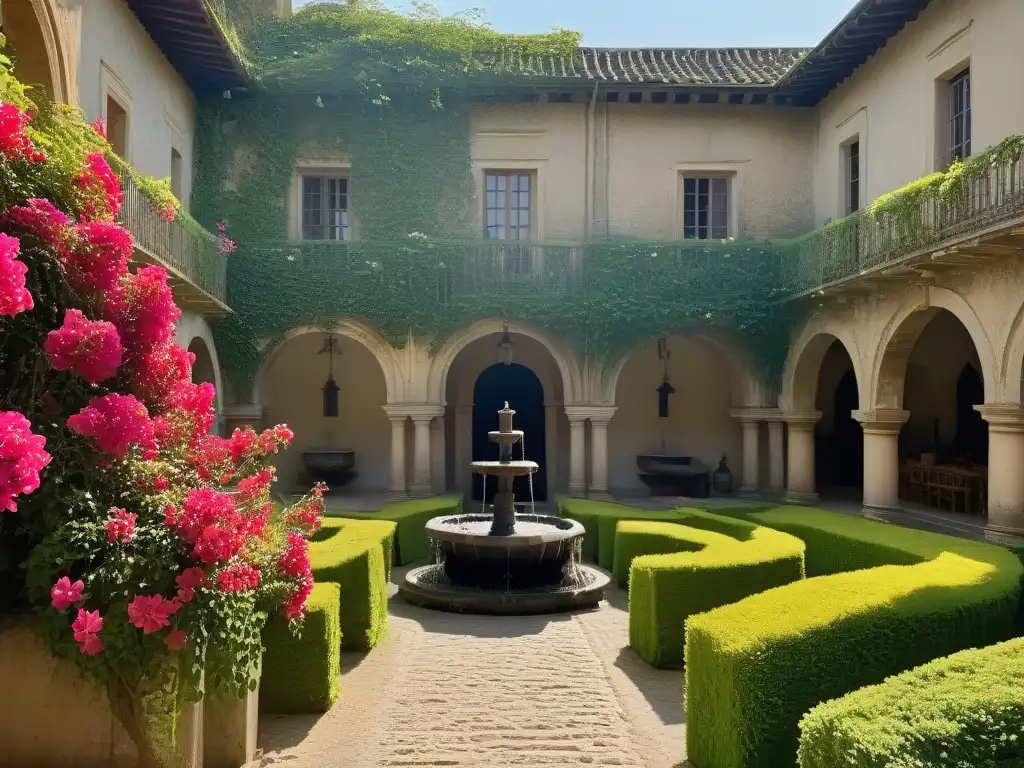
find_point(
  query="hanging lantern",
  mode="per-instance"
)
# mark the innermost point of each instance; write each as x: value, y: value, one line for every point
x: 505, y: 347
x: 330, y: 389
x: 666, y: 388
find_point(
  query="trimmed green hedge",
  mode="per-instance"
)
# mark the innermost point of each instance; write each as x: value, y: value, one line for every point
x: 302, y: 674
x: 755, y: 667
x: 964, y: 710
x: 411, y: 542
x: 599, y: 519
x: 351, y: 553
x: 678, y: 570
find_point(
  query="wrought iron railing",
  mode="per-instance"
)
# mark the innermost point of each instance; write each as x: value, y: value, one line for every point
x: 184, y: 246
x: 870, y: 240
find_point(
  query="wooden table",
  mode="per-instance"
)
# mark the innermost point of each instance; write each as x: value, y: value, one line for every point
x: 953, y: 486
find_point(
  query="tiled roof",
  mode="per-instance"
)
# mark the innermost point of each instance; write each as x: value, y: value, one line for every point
x: 673, y: 66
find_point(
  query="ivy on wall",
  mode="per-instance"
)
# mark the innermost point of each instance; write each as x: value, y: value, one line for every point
x: 392, y: 94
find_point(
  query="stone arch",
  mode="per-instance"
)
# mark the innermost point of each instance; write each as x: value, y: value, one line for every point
x: 746, y: 388
x: 34, y: 29
x: 803, y: 364
x: 192, y: 331
x: 440, y: 365
x: 1011, y: 365
x: 377, y: 345
x: 889, y: 363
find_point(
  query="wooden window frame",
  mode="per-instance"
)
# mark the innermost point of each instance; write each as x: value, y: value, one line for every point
x: 697, y: 176
x: 511, y: 177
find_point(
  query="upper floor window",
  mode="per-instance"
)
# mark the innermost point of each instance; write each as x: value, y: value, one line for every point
x: 960, y: 116
x: 853, y: 176
x: 117, y: 126
x: 325, y: 207
x: 508, y: 205
x: 706, y: 207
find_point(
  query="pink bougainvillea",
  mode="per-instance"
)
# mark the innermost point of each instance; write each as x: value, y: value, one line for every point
x: 100, y: 127
x: 227, y: 245
x: 295, y: 603
x: 87, y: 627
x: 158, y: 371
x: 115, y: 423
x: 151, y: 613
x: 14, y: 143
x: 121, y: 525
x: 97, y: 180
x: 307, y: 515
x: 98, y: 257
x: 209, y: 522
x: 239, y: 578
x: 91, y: 348
x: 14, y: 297
x: 40, y: 218
x: 167, y: 211
x: 189, y: 581
x: 143, y: 309
x: 22, y: 458
x: 294, y: 561
x: 64, y: 593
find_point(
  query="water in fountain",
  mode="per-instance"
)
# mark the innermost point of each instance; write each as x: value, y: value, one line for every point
x: 503, y: 562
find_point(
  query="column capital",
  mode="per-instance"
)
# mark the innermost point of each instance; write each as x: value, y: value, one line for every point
x: 881, y: 420
x: 801, y: 419
x: 415, y: 411
x: 598, y: 414
x: 749, y: 415
x: 1002, y: 417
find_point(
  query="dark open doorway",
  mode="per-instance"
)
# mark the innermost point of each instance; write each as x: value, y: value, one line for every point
x: 525, y: 395
x: 971, y: 442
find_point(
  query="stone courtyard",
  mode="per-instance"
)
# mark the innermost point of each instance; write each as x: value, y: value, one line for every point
x: 457, y: 690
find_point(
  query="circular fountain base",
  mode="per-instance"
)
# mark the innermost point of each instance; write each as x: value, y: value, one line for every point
x: 429, y: 587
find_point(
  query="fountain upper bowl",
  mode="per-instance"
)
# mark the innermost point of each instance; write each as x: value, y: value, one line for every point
x: 530, y: 531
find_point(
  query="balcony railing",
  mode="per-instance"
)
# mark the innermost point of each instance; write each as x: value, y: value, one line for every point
x: 191, y: 254
x: 870, y: 241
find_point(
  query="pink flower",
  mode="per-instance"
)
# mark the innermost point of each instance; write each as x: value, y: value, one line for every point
x: 114, y: 422
x: 189, y: 581
x: 175, y: 640
x: 22, y: 458
x: 91, y: 347
x: 251, y: 489
x: 86, y: 628
x: 121, y: 525
x: 100, y: 127
x: 167, y: 211
x: 209, y: 522
x: 14, y: 297
x: 97, y: 179
x: 227, y: 245
x: 295, y: 604
x: 64, y: 594
x: 14, y: 144
x: 160, y: 484
x: 294, y: 561
x: 151, y: 613
x: 160, y: 370
x: 238, y: 579
x: 143, y: 309
x: 98, y: 256
x: 40, y: 218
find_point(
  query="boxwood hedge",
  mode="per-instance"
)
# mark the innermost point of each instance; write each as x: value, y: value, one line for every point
x: 411, y: 544
x: 887, y: 600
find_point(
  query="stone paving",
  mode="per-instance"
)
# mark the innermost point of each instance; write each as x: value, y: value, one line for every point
x: 458, y: 690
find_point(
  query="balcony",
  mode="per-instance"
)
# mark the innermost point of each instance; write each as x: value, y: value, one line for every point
x: 196, y: 269
x: 981, y: 218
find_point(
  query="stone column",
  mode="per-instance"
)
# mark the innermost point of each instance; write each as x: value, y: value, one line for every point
x: 599, y: 418
x: 881, y: 455
x: 397, y: 487
x: 421, y: 455
x: 1005, y: 469
x: 776, y: 456
x: 800, y: 462
x: 750, y: 423
x: 577, y: 451
x: 438, y: 463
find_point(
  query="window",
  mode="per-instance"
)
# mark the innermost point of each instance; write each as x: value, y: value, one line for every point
x: 117, y: 126
x: 853, y: 176
x: 705, y: 207
x: 960, y: 116
x: 508, y: 198
x: 176, y: 171
x: 325, y: 207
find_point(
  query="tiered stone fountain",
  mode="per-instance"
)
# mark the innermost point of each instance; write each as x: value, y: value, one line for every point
x: 504, y: 562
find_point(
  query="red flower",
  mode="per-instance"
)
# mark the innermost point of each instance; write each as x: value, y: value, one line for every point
x: 64, y: 594
x: 40, y: 218
x: 189, y: 581
x: 294, y: 561
x: 160, y: 484
x: 91, y: 347
x: 251, y: 489
x: 143, y: 309
x: 22, y: 458
x: 114, y: 422
x: 159, y: 371
x: 96, y: 179
x: 239, y: 578
x: 14, y: 297
x: 86, y: 628
x: 167, y: 211
x: 209, y: 522
x: 151, y: 613
x: 295, y: 604
x: 175, y: 640
x: 14, y: 143
x: 121, y: 525
x: 98, y: 256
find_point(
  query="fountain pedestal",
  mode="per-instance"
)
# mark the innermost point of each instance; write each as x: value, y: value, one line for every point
x: 503, y: 562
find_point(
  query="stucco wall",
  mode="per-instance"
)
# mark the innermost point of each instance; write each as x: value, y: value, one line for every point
x: 895, y: 103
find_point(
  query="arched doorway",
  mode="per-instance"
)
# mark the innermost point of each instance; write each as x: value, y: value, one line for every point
x: 202, y: 369
x: 838, y: 439
x: 521, y: 388
x: 27, y: 46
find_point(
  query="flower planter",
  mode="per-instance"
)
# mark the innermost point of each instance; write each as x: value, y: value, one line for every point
x: 230, y: 730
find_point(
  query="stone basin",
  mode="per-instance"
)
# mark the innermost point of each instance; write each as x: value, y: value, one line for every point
x: 334, y: 467
x: 506, y: 468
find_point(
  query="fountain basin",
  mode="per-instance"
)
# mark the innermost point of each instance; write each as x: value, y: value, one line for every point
x: 334, y: 467
x: 504, y: 468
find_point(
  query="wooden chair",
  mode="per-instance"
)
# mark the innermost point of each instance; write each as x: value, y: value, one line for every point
x: 952, y: 487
